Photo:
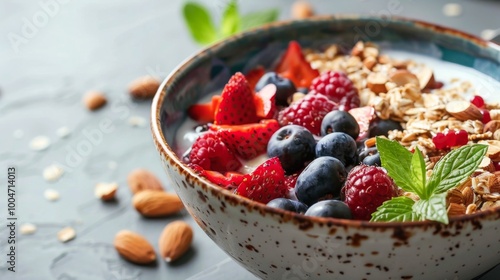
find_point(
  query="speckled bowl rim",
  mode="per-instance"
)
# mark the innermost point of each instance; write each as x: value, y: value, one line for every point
x: 168, y: 152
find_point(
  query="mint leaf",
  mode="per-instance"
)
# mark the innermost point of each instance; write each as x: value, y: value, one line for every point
x: 397, y: 160
x: 454, y: 168
x: 418, y: 173
x: 398, y: 209
x: 433, y: 208
x: 231, y: 21
x: 258, y: 18
x: 199, y: 23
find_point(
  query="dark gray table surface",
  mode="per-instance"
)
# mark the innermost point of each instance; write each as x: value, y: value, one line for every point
x: 76, y: 46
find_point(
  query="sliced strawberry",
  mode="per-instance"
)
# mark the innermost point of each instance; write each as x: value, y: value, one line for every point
x: 265, y: 102
x: 363, y: 115
x: 254, y: 75
x: 295, y: 67
x: 210, y: 152
x: 265, y: 183
x: 229, y: 181
x: 204, y: 112
x: 236, y: 105
x: 247, y: 140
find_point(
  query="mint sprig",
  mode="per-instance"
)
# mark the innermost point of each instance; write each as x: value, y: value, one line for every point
x: 409, y: 173
x: 203, y: 30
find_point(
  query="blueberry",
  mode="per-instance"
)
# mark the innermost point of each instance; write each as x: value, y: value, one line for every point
x: 322, y: 179
x: 373, y: 160
x: 331, y: 209
x: 340, y: 121
x: 288, y: 204
x: 285, y: 87
x: 338, y: 145
x: 382, y: 127
x: 293, y: 145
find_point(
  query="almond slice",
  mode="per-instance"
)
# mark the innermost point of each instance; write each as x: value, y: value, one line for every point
x: 106, y: 191
x: 403, y: 77
x: 376, y: 82
x: 463, y: 110
x: 426, y: 77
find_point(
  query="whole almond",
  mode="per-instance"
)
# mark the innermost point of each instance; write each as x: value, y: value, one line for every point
x: 463, y: 110
x: 302, y: 9
x: 175, y: 240
x: 144, y: 87
x: 94, y: 100
x: 133, y: 247
x: 156, y: 204
x: 141, y: 179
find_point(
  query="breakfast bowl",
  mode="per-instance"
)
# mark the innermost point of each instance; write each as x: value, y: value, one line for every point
x: 273, y: 243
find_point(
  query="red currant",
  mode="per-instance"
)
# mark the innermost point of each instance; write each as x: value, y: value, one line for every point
x: 462, y: 137
x: 451, y: 139
x: 486, y: 116
x: 440, y: 141
x: 478, y: 101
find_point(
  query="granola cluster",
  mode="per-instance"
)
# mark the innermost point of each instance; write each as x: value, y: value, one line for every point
x: 406, y: 91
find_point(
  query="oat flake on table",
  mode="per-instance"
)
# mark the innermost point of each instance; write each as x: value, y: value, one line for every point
x: 40, y: 143
x: 27, y: 229
x: 52, y: 173
x: 66, y: 234
x: 452, y: 9
x: 51, y: 194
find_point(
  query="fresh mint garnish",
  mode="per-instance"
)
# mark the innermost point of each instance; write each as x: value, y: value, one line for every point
x: 409, y: 173
x: 398, y: 209
x: 203, y: 30
x: 255, y: 19
x: 200, y: 23
x: 231, y: 20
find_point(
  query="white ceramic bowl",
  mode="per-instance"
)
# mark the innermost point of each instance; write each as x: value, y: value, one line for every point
x: 276, y: 244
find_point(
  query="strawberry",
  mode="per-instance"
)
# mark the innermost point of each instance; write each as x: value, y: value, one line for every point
x: 265, y: 102
x: 295, y: 67
x: 363, y: 115
x: 204, y: 112
x: 247, y: 140
x: 236, y: 105
x: 228, y: 181
x: 265, y: 183
x: 254, y: 75
x: 209, y: 152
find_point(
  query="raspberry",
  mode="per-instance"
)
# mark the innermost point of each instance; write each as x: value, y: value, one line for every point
x: 209, y: 152
x: 338, y: 88
x: 366, y: 188
x: 307, y: 112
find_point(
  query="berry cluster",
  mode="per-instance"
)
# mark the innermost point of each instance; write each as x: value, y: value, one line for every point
x: 452, y: 138
x: 317, y: 163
